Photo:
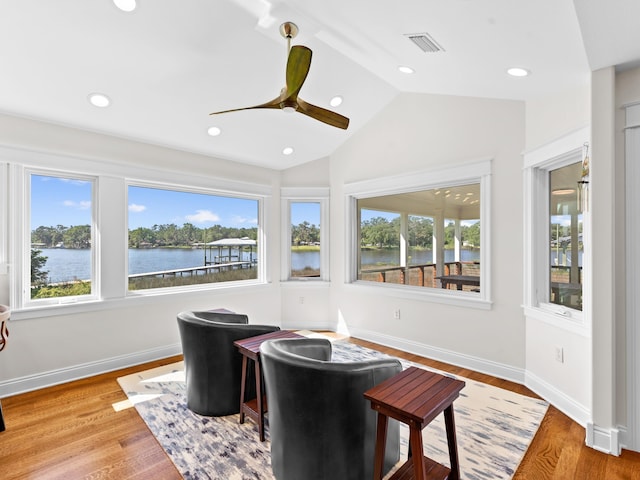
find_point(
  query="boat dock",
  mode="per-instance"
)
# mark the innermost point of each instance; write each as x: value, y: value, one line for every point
x: 212, y: 268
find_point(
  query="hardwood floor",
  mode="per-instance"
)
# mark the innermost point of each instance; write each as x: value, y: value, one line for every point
x: 72, y: 431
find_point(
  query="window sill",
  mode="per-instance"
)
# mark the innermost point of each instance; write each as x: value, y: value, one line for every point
x: 558, y: 320
x: 138, y: 298
x: 423, y: 294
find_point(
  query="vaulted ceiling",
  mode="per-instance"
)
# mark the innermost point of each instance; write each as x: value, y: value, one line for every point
x: 167, y: 64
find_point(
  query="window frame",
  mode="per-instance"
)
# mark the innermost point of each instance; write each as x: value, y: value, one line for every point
x: 288, y: 196
x: 261, y: 251
x: 538, y: 164
x: 462, y: 174
x: 111, y: 236
x: 22, y: 247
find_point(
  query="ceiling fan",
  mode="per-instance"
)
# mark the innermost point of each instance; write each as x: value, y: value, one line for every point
x: 298, y: 64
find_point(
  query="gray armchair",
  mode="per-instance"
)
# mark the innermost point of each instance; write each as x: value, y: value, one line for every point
x: 213, y: 365
x: 321, y: 426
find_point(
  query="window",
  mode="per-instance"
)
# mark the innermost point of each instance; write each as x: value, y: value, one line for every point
x: 305, y: 219
x: 61, y: 231
x: 556, y: 237
x: 565, y: 235
x: 184, y: 238
x: 305, y: 239
x: 426, y: 238
x: 421, y: 233
x: 69, y: 233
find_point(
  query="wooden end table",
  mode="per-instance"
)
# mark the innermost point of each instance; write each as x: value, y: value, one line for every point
x: 415, y: 397
x: 255, y: 408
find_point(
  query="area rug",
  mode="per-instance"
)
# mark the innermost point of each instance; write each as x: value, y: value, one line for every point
x: 494, y: 427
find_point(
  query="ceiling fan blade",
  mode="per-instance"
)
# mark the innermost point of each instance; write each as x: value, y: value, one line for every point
x: 297, y: 69
x: 327, y: 116
x: 275, y: 103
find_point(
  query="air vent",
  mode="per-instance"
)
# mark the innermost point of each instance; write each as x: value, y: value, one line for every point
x: 425, y: 42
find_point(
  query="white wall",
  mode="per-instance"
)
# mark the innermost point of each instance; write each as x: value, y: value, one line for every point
x: 549, y: 118
x: 418, y: 132
x: 51, y: 349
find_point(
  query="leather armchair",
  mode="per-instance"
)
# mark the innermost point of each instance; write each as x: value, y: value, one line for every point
x: 320, y: 424
x: 213, y: 365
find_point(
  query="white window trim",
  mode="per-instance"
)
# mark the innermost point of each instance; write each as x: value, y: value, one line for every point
x: 477, y: 171
x: 537, y: 164
x: 4, y: 187
x: 163, y: 185
x: 291, y: 195
x: 21, y: 248
x: 14, y: 162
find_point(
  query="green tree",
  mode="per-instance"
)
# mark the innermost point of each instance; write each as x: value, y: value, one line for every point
x: 38, y: 261
x: 77, y: 237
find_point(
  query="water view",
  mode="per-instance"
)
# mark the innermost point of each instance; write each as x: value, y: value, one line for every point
x: 74, y: 264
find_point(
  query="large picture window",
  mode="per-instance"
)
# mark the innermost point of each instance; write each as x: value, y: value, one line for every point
x: 183, y: 238
x: 424, y: 232
x: 427, y: 238
x: 62, y: 254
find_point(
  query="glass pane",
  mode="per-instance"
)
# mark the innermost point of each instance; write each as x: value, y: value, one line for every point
x: 565, y: 231
x: 61, y: 247
x: 399, y: 241
x: 182, y: 238
x: 305, y: 239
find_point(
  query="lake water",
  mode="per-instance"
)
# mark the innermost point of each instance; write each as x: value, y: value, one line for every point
x: 70, y: 264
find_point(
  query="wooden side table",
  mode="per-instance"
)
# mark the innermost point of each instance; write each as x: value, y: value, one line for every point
x: 415, y: 397
x: 255, y: 408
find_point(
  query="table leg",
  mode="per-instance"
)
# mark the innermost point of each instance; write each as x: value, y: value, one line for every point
x: 381, y: 443
x: 259, y: 398
x: 1, y: 419
x: 243, y: 383
x: 415, y: 440
x: 451, y: 440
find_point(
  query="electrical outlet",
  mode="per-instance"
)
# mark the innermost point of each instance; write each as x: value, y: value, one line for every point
x: 301, y: 300
x: 559, y: 354
x: 396, y: 314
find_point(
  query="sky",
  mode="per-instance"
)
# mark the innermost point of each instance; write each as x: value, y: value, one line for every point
x: 305, y: 211
x: 58, y: 201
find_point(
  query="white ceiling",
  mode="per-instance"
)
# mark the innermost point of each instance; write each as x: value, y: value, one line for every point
x: 169, y: 63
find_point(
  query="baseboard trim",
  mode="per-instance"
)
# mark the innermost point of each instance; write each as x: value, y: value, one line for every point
x: 55, y: 377
x: 574, y: 410
x: 495, y: 369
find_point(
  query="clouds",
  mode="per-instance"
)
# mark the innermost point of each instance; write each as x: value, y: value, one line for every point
x: 238, y: 220
x: 133, y: 208
x: 81, y: 205
x: 203, y: 216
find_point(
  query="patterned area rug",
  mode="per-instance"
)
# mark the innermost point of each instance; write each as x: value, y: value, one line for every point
x: 494, y: 427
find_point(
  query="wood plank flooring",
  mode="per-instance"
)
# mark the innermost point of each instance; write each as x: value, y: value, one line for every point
x: 72, y: 431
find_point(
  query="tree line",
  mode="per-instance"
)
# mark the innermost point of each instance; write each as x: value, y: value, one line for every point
x: 382, y: 233
x: 168, y: 235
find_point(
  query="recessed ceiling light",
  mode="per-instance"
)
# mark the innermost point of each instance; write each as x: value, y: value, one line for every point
x: 518, y: 72
x: 564, y: 191
x: 336, y: 101
x: 214, y: 131
x: 405, y: 69
x: 287, y: 150
x: 125, y: 5
x: 99, y: 100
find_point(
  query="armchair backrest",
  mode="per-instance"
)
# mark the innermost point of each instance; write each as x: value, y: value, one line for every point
x: 213, y: 365
x: 320, y: 424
